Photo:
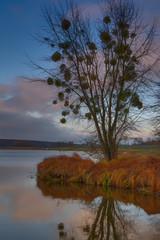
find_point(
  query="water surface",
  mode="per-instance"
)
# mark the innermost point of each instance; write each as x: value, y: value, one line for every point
x: 34, y: 210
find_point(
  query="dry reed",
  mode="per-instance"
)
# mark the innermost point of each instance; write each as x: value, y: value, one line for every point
x: 129, y: 171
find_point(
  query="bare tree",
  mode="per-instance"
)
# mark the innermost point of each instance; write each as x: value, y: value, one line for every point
x: 100, y: 68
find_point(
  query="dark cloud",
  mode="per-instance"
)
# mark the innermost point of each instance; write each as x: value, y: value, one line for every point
x: 26, y: 112
x: 22, y: 126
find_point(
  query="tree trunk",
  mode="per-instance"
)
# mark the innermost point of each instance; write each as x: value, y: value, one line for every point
x: 107, y: 155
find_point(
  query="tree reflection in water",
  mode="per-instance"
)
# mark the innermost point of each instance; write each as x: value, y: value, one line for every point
x: 107, y: 220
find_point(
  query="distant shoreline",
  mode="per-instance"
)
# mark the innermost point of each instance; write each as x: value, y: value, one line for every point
x: 85, y: 148
x: 53, y: 149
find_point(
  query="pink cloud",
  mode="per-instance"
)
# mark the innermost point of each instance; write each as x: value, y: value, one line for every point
x: 91, y: 8
x: 27, y: 112
x: 23, y: 96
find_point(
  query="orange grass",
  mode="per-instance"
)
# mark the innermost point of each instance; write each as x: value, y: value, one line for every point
x: 142, y: 173
x: 63, y: 167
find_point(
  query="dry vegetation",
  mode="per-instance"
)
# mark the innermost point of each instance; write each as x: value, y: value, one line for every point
x: 128, y: 171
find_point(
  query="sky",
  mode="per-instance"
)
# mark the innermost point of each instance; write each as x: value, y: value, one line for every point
x: 26, y: 110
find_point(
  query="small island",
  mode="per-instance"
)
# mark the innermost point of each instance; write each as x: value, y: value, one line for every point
x: 132, y: 170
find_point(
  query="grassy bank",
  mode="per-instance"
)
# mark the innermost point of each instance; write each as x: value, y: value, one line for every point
x: 141, y: 173
x: 122, y: 147
x: 141, y: 147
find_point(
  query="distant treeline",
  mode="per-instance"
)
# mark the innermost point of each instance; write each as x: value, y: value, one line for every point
x: 149, y: 141
x: 12, y: 143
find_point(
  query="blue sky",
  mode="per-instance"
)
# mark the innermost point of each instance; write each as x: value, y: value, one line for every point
x: 19, y: 20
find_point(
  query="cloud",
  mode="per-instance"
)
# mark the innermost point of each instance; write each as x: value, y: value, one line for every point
x: 24, y: 96
x: 27, y: 112
x: 91, y: 8
x: 151, y: 8
x: 4, y: 90
x: 22, y: 126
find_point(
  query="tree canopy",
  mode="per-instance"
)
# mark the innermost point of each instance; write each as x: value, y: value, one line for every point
x: 101, y: 68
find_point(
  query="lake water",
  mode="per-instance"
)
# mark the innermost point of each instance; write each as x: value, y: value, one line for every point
x: 31, y: 210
